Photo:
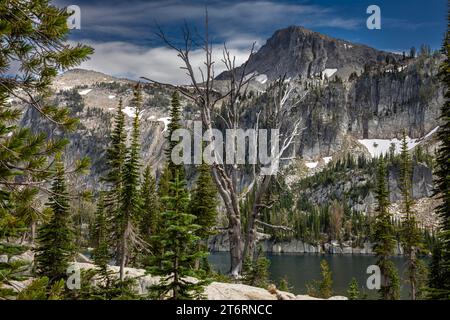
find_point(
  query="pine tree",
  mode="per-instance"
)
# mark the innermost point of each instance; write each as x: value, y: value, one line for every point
x: 441, y: 287
x: 150, y: 204
x: 322, y: 288
x: 384, y: 239
x: 55, y: 238
x: 32, y: 55
x: 130, y: 198
x: 204, y: 202
x: 178, y: 237
x: 101, y: 254
x: 149, y: 213
x: 353, y: 291
x: 164, y: 182
x: 116, y: 153
x: 174, y: 124
x: 203, y: 205
x: 256, y: 272
x: 284, y: 285
x: 411, y: 235
x: 435, y: 279
x: 102, y: 283
x: 326, y: 285
x: 169, y: 171
x: 41, y: 289
x: 115, y: 162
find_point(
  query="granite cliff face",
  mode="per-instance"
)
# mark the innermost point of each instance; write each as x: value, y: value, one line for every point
x: 379, y: 103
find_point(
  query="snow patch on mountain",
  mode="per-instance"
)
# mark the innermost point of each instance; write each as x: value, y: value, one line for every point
x: 262, y: 78
x: 378, y: 147
x: 166, y: 121
x: 84, y: 92
x: 431, y: 133
x: 328, y: 73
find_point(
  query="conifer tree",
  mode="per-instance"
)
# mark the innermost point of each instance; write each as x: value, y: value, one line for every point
x: 101, y: 254
x: 149, y: 214
x: 130, y: 205
x: 322, y: 288
x: 34, y: 47
x: 102, y: 283
x: 384, y: 239
x: 41, y: 289
x: 178, y: 237
x: 168, y: 174
x: 203, y: 205
x: 256, y: 272
x: 32, y: 34
x: 353, y: 291
x: 115, y: 156
x: 326, y: 285
x: 440, y: 282
x: 435, y: 278
x: 204, y: 202
x: 115, y: 162
x: 411, y: 235
x: 174, y: 124
x: 55, y: 238
x: 284, y: 285
x: 163, y: 183
x: 150, y: 204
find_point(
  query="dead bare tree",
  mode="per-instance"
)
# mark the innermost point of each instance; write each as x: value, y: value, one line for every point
x: 277, y: 113
x: 203, y: 94
x: 206, y: 98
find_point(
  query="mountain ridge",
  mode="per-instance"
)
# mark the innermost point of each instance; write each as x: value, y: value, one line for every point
x: 299, y: 52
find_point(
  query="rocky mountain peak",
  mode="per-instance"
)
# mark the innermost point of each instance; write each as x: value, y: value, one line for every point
x: 299, y: 52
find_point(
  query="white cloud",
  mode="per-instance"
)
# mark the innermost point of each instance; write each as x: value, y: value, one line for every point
x: 162, y: 64
x: 122, y: 34
x: 225, y: 18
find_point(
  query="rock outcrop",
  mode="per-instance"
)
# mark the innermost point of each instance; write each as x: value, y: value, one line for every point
x: 214, y: 291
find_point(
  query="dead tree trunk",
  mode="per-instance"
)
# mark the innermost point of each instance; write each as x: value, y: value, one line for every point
x: 251, y: 239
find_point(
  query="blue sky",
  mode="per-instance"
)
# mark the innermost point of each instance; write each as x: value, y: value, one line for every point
x: 122, y: 32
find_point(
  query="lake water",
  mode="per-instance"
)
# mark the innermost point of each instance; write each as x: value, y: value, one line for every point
x: 300, y: 269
